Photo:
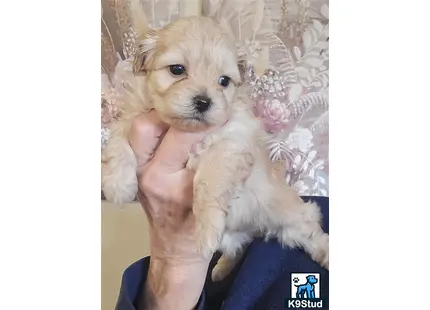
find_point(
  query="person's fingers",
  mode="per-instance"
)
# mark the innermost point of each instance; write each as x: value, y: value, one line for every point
x: 146, y: 132
x: 172, y: 154
x: 182, y: 188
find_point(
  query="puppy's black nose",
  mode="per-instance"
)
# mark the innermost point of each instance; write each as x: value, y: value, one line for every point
x: 202, y: 103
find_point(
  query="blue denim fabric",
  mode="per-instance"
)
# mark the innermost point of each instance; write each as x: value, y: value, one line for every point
x: 261, y: 282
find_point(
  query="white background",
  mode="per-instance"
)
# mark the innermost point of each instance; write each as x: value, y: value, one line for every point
x: 50, y: 152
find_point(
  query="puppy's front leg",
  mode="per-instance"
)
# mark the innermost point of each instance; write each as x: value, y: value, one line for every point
x: 118, y: 167
x: 219, y: 173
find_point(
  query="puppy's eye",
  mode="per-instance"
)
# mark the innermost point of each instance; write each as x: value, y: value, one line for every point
x: 224, y: 81
x: 177, y: 69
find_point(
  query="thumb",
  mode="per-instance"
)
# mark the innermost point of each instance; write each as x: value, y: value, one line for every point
x: 172, y: 154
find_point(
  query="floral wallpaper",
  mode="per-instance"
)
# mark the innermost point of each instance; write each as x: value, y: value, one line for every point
x: 285, y: 44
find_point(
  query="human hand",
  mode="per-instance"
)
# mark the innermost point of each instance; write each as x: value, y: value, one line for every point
x: 177, y: 272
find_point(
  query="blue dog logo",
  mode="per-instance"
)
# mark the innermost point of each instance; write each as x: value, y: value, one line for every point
x: 306, y: 290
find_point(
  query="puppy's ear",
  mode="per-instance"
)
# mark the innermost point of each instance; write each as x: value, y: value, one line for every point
x: 241, y: 56
x: 145, y: 36
x: 145, y: 48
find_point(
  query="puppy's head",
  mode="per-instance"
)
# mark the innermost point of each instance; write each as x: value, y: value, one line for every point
x: 191, y: 70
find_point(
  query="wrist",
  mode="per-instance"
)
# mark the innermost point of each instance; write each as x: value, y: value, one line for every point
x: 173, y: 286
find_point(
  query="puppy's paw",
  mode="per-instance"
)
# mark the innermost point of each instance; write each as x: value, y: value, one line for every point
x: 322, y: 255
x: 325, y: 260
x: 192, y: 161
x: 120, y: 187
x: 219, y: 273
x: 222, y: 269
x: 325, y: 265
x: 120, y: 195
x: 196, y: 151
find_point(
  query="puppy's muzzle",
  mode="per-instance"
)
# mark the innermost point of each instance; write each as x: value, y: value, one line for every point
x: 202, y: 103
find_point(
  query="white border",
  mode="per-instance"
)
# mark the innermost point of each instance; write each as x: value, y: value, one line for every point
x: 50, y: 148
x: 50, y: 155
x: 379, y: 116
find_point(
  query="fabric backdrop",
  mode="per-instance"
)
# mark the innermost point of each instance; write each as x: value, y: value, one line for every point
x: 288, y: 61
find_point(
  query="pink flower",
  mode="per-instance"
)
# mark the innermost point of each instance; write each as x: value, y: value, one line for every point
x: 274, y: 114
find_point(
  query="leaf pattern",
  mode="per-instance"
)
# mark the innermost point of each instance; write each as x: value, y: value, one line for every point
x: 117, y: 20
x: 291, y: 95
x: 258, y: 17
x: 284, y: 60
x: 284, y: 44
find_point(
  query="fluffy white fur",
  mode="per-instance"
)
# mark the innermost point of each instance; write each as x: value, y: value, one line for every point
x: 238, y: 192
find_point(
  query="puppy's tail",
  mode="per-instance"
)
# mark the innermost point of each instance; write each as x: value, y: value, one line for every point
x: 119, y: 166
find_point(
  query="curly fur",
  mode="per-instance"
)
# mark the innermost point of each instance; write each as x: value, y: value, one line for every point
x: 238, y: 192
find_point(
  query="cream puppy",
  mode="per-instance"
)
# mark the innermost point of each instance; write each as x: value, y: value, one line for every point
x: 188, y: 72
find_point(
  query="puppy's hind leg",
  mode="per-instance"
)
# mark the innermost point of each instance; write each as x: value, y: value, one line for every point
x: 119, y: 180
x: 302, y: 228
x: 233, y: 246
x: 225, y: 265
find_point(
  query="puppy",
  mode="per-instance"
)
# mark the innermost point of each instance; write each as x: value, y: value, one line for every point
x: 189, y: 73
